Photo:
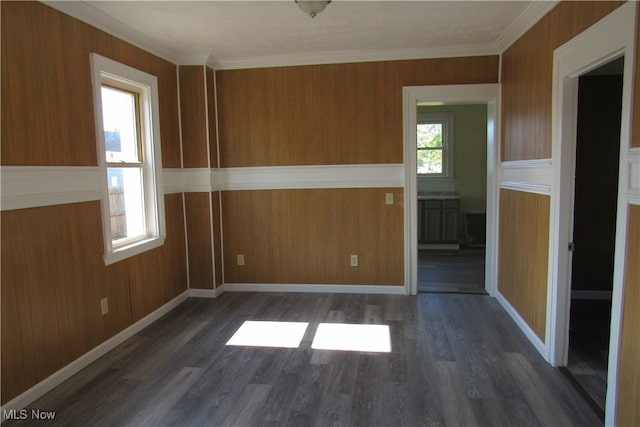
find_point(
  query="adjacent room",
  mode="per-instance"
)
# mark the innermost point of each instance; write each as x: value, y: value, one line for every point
x: 452, y: 197
x: 237, y: 213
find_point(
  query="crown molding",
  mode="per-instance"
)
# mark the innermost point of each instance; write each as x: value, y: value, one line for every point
x: 203, y: 59
x: 193, y: 59
x: 341, y: 57
x: 527, y: 19
x: 85, y: 12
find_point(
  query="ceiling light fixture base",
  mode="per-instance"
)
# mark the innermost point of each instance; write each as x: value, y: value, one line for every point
x: 312, y: 8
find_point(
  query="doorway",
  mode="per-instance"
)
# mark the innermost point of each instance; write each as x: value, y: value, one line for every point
x: 610, y: 38
x: 452, y: 197
x: 597, y: 161
x: 486, y: 94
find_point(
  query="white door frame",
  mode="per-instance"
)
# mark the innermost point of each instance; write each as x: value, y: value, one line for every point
x: 449, y: 94
x: 609, y: 38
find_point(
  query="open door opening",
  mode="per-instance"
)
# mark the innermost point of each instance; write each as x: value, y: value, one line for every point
x: 414, y: 96
x: 452, y: 197
x: 595, y: 199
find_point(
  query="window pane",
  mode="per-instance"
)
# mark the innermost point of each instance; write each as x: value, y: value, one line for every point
x: 119, y: 122
x: 430, y: 161
x: 430, y: 135
x: 126, y: 206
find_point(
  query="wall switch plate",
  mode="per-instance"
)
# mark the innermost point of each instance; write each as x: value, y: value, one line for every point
x: 388, y: 198
x: 240, y: 259
x: 104, y: 305
x: 354, y: 260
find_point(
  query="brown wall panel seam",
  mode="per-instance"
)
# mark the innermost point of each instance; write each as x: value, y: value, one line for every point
x: 184, y: 208
x: 210, y: 204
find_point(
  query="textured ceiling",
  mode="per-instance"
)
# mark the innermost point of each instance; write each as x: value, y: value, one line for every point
x: 245, y: 29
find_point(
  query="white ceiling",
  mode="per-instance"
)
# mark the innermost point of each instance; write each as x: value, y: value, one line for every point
x: 256, y: 33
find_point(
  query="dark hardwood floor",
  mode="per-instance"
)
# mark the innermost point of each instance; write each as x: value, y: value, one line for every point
x: 456, y: 360
x: 589, y: 333
x: 460, y: 271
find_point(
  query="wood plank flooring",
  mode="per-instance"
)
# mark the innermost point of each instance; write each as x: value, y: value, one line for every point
x: 455, y: 360
x: 460, y: 271
x: 589, y: 346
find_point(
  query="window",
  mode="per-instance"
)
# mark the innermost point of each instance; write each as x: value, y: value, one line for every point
x: 435, y: 145
x: 128, y: 141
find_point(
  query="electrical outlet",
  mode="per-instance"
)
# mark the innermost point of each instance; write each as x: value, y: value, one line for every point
x: 388, y: 198
x: 104, y: 305
x: 354, y: 260
x: 240, y: 258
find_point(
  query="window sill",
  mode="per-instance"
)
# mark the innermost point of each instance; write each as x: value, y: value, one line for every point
x: 133, y: 249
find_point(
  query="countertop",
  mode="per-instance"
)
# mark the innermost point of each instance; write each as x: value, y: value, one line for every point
x: 438, y: 196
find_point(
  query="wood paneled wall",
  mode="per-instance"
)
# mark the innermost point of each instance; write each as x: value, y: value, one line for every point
x: 327, y: 114
x: 198, y: 113
x: 628, y: 393
x: 52, y: 270
x: 193, y: 114
x: 307, y: 236
x: 211, y: 109
x: 527, y: 68
x: 53, y: 278
x: 523, y: 255
x: 199, y: 240
x: 217, y: 237
x: 47, y: 100
x: 321, y: 115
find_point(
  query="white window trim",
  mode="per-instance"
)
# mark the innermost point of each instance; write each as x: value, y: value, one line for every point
x: 447, y: 144
x: 106, y: 70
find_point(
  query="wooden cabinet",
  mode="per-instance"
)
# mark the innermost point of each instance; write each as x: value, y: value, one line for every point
x: 438, y: 220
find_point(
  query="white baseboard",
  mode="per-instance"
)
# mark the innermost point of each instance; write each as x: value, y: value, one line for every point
x: 533, y: 338
x: 335, y: 289
x: 86, y: 359
x: 206, y: 293
x: 600, y: 295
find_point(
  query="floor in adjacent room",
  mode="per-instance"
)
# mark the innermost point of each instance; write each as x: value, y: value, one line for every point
x: 454, y: 360
x: 457, y: 271
x: 589, y: 346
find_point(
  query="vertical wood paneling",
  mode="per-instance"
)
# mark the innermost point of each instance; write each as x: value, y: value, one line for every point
x: 523, y: 255
x: 53, y: 273
x: 199, y: 240
x: 211, y: 117
x: 217, y: 238
x: 18, y: 350
x: 527, y: 68
x: 327, y: 114
x: 53, y: 277
x: 164, y: 267
x: 193, y: 114
x: 307, y: 236
x: 49, y: 121
x: 174, y: 251
x: 628, y: 393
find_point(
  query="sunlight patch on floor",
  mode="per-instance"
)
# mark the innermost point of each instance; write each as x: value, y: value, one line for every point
x: 269, y: 334
x: 352, y: 337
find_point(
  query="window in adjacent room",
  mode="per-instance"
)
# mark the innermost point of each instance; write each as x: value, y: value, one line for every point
x: 128, y: 141
x: 435, y: 145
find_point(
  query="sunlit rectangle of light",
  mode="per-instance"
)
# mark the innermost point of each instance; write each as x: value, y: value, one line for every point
x: 352, y: 337
x: 269, y: 334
